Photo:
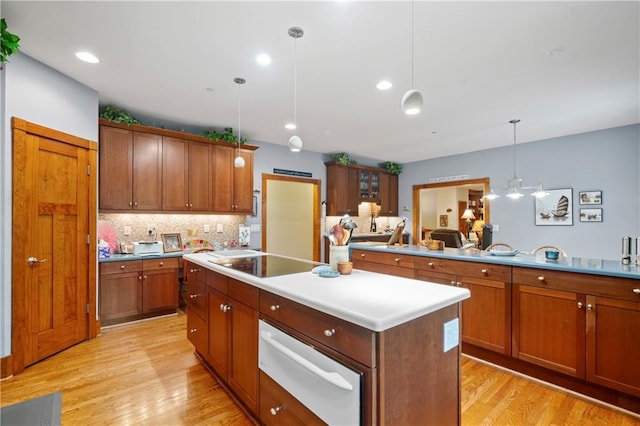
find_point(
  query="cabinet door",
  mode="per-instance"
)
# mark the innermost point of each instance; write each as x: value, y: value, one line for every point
x: 218, y: 314
x: 243, y: 370
x: 222, y: 179
x: 116, y: 164
x: 147, y: 171
x: 197, y: 332
x: 549, y: 329
x: 613, y: 351
x: 120, y: 296
x: 353, y: 196
x: 160, y: 290
x: 175, y: 174
x: 388, y: 194
x: 199, y: 176
x: 243, y: 183
x: 486, y: 315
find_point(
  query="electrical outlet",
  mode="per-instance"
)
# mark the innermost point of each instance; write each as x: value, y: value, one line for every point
x: 206, y: 228
x: 496, y: 228
x: 127, y: 230
x: 151, y: 229
x: 220, y: 228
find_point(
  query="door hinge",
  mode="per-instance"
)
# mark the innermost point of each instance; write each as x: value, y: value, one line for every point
x: 87, y: 308
x: 88, y: 239
x: 88, y: 170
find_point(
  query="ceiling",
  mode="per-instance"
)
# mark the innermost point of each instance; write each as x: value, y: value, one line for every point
x: 561, y: 67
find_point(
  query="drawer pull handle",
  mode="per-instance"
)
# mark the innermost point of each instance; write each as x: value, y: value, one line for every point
x: 636, y: 290
x: 274, y: 307
x: 484, y: 271
x: 330, y: 333
x: 274, y: 411
x: 224, y: 308
x: 579, y: 305
x: 430, y: 264
x: 122, y: 267
x: 541, y: 278
x: 589, y: 306
x: 333, y: 377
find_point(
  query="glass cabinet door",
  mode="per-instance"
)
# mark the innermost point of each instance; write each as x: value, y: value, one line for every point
x: 364, y: 184
x: 374, y: 185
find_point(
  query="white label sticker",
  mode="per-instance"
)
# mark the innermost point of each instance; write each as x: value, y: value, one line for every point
x: 451, y: 334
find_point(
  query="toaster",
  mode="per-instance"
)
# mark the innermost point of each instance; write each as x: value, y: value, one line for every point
x: 147, y: 248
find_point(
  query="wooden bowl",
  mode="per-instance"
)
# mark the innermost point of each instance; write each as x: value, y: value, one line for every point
x: 345, y: 267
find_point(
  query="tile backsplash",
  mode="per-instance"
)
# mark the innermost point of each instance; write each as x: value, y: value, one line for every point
x: 189, y: 226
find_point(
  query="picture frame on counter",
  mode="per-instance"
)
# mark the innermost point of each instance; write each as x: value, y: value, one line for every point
x: 590, y: 215
x: 556, y: 209
x: 590, y: 197
x: 171, y: 243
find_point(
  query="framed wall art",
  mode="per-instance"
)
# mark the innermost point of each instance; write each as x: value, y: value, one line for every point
x: 590, y: 197
x: 590, y: 215
x: 444, y: 220
x: 556, y: 209
x: 171, y: 242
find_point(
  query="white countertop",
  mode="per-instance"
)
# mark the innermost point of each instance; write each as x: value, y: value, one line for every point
x: 371, y: 300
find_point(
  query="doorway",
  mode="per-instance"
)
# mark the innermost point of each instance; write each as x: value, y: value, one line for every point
x: 291, y: 216
x: 54, y: 242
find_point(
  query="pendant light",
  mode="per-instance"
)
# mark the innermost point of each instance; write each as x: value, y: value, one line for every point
x: 492, y: 194
x: 515, y: 184
x: 412, y: 100
x: 295, y: 143
x: 238, y: 162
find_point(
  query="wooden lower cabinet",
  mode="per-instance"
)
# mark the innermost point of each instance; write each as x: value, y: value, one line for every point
x: 135, y: 289
x: 279, y: 408
x: 486, y: 316
x: 399, y: 265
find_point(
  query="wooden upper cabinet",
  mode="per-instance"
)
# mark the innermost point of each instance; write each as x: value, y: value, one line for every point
x: 116, y: 168
x: 232, y: 186
x: 147, y: 169
x: 388, y: 194
x: 186, y: 174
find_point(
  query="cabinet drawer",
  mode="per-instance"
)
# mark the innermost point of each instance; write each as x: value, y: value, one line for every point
x: 353, y: 341
x: 166, y: 263
x: 194, y: 272
x: 217, y: 281
x: 196, y: 299
x: 245, y: 293
x: 279, y: 407
x: 488, y: 271
x: 197, y: 333
x: 435, y: 264
x: 597, y: 285
x: 384, y: 269
x: 394, y: 259
x: 120, y: 267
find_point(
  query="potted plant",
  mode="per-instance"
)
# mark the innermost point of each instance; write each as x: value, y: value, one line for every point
x: 8, y: 43
x: 343, y: 159
x: 393, y: 168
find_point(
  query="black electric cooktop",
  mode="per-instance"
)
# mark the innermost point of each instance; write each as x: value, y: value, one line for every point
x: 266, y: 265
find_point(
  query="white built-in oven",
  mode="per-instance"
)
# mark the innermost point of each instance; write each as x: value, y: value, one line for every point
x: 328, y: 388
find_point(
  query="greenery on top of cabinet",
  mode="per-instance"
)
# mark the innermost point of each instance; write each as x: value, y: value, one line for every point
x: 118, y: 115
x: 393, y: 168
x: 343, y: 159
x: 226, y: 136
x: 8, y: 42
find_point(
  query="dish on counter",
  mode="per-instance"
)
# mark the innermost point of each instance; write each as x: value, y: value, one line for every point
x: 328, y: 273
x: 321, y: 268
x: 504, y: 252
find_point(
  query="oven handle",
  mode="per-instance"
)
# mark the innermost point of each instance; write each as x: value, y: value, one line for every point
x: 332, y: 377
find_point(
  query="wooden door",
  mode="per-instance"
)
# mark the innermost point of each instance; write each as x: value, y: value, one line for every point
x: 549, y: 329
x: 613, y: 350
x: 147, y: 171
x: 116, y: 163
x: 175, y: 174
x: 54, y: 242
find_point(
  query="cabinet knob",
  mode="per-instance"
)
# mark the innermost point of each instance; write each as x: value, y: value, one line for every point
x: 458, y: 283
x: 579, y: 305
x: 589, y: 306
x: 193, y: 296
x: 186, y: 205
x: 430, y: 264
x: 135, y: 204
x: 484, y: 271
x: 275, y: 410
x: 193, y: 330
x: 453, y: 282
x: 122, y: 267
x: 224, y: 308
x: 541, y: 278
x: 330, y: 333
x: 161, y: 263
x: 130, y: 203
x: 145, y: 277
x: 363, y: 255
x: 636, y: 290
x: 190, y: 205
x: 397, y: 259
x: 274, y: 307
x: 140, y: 277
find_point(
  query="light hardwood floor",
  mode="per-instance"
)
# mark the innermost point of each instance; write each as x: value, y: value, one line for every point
x: 146, y: 374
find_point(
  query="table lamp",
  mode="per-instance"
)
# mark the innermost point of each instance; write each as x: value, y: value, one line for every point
x: 468, y: 215
x: 477, y: 228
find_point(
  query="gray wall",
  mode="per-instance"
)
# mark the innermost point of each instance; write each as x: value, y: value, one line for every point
x: 39, y: 94
x: 606, y: 160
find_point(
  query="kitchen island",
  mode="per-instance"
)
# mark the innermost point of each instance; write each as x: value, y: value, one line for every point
x: 399, y: 335
x: 571, y: 322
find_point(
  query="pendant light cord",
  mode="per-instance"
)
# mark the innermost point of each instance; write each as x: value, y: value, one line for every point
x: 514, y: 122
x: 295, y: 82
x: 239, y: 121
x: 412, y: 37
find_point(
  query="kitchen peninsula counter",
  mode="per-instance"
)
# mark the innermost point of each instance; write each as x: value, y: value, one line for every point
x: 371, y: 300
x: 583, y: 265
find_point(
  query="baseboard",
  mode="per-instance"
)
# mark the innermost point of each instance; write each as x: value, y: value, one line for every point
x: 6, y: 367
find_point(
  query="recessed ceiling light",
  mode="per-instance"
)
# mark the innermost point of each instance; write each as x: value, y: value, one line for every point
x: 290, y: 126
x: 209, y: 89
x: 87, y: 57
x: 384, y: 85
x: 263, y: 59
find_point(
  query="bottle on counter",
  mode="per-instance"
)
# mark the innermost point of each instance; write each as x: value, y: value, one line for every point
x: 374, y: 227
x: 626, y: 250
